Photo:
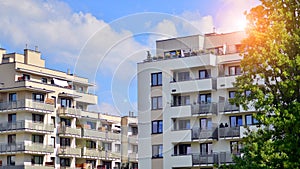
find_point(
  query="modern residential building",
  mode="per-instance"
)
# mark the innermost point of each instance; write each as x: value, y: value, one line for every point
x: 184, y: 116
x: 44, y: 122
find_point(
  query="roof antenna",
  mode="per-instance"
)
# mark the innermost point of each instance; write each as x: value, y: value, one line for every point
x: 26, y: 46
x: 214, y: 29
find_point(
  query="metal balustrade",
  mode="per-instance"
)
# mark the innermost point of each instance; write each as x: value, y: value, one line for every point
x: 26, y: 104
x: 204, y: 159
x: 26, y: 125
x: 21, y: 147
x: 229, y: 132
x: 205, y: 133
x: 204, y: 108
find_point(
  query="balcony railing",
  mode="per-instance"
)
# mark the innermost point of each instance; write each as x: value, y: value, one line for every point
x: 227, y: 157
x: 205, y: 159
x: 20, y: 147
x: 26, y: 125
x: 133, y: 157
x: 90, y: 152
x: 229, y: 132
x: 69, y: 151
x: 228, y: 107
x: 68, y: 111
x: 70, y: 131
x: 205, y: 133
x: 205, y: 108
x: 89, y: 133
x: 26, y: 167
x: 26, y: 104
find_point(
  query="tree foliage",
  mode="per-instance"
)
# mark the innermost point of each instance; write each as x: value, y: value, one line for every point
x: 271, y: 71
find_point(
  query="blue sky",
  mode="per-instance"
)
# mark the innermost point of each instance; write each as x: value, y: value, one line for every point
x: 103, y: 40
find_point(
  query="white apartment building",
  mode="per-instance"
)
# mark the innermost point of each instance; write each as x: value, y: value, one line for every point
x: 185, y: 119
x: 44, y: 122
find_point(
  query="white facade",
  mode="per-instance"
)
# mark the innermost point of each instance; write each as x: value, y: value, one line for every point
x: 184, y: 115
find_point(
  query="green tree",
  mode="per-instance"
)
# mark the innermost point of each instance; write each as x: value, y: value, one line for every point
x: 271, y: 71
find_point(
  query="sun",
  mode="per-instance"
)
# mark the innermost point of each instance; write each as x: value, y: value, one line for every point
x: 241, y: 24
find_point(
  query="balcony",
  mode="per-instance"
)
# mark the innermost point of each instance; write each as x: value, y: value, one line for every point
x: 227, y: 107
x: 229, y: 132
x: 26, y: 148
x: 226, y: 82
x: 86, y: 97
x: 106, y: 135
x: 205, y: 109
x: 69, y: 131
x: 133, y: 139
x: 181, y: 135
x: 205, y: 159
x: 181, y: 111
x: 26, y: 167
x: 133, y: 157
x: 203, y: 134
x: 193, y: 86
x: 69, y: 112
x: 69, y: 151
x: 26, y: 104
x: 227, y: 157
x: 92, y: 153
x: 26, y: 125
x: 181, y: 161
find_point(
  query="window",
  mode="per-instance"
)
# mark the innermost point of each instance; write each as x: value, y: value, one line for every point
x: 91, y: 124
x: 12, y: 118
x: 37, y: 118
x: 182, y: 149
x: 204, y: 98
x: 156, y: 79
x: 236, y: 121
x: 206, y: 148
x: 235, y: 147
x: 156, y: 103
x: 12, y: 97
x: 37, y: 160
x: 181, y: 100
x: 247, y: 93
x: 65, y: 142
x: 66, y: 121
x: 93, y: 162
x: 11, y: 139
x: 157, y: 151
x: 234, y: 70
x: 52, y: 142
x: 106, y: 146
x: 37, y: 138
x: 26, y: 77
x: 38, y: 97
x: 11, y: 160
x: 205, y: 123
x: 65, y: 102
x: 157, y: 127
x: 204, y: 74
x: 134, y: 130
x: 184, y: 124
x: 231, y: 94
x: 44, y: 80
x: 135, y: 148
x: 65, y: 162
x: 117, y: 148
x: 90, y: 144
x: 53, y: 121
x: 183, y: 76
x: 250, y: 120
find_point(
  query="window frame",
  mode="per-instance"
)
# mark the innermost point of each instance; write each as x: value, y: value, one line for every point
x: 237, y: 120
x: 12, y: 97
x: 208, y: 146
x: 156, y: 103
x: 38, y: 97
x: 12, y: 118
x: 207, y: 73
x: 159, y: 127
x: 208, y: 98
x: 253, y: 120
x: 235, y: 68
x: 44, y: 80
x: 36, y: 138
x: 65, y: 162
x: 37, y: 118
x: 156, y: 79
x: 11, y: 160
x: 40, y: 160
x: 159, y: 149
